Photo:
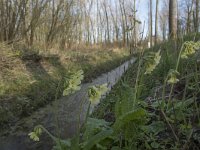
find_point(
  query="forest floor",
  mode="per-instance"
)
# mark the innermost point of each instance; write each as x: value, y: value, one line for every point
x: 29, y: 78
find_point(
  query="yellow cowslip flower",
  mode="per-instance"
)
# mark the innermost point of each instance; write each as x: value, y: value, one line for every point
x: 152, y: 61
x: 150, y: 67
x: 173, y: 80
x: 95, y: 93
x: 184, y: 56
x: 73, y: 83
x: 103, y: 88
x: 173, y: 76
x: 157, y: 57
x: 35, y: 134
x: 190, y: 48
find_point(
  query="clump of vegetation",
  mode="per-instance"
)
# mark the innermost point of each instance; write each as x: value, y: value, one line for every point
x: 169, y: 119
x: 152, y: 108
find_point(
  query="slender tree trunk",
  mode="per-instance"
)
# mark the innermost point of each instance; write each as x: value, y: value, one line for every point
x: 126, y: 24
x: 115, y: 31
x: 197, y: 16
x: 151, y: 24
x: 134, y: 17
x: 107, y: 23
x: 172, y: 19
x: 156, y: 22
x: 123, y: 23
x: 97, y: 22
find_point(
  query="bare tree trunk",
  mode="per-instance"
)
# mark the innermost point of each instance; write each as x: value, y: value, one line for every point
x: 123, y: 23
x: 134, y: 28
x: 151, y: 23
x: 172, y: 19
x: 189, y: 15
x: 197, y: 16
x: 164, y: 32
x: 156, y: 23
x: 116, y: 35
x: 133, y: 44
x: 126, y: 24
x: 97, y: 22
x: 107, y: 23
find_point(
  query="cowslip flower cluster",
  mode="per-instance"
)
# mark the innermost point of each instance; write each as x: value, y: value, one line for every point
x: 172, y: 76
x: 35, y: 134
x: 95, y: 93
x: 190, y: 48
x: 73, y: 83
x: 153, y: 60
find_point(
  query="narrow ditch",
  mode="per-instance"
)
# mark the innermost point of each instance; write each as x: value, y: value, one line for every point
x: 65, y: 117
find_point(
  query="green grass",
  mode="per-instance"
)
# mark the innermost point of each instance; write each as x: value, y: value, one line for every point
x: 182, y: 114
x: 29, y: 77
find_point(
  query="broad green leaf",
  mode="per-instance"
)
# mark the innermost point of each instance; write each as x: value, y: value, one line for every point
x: 156, y: 127
x: 94, y: 126
x: 92, y: 141
x: 130, y: 116
x: 155, y: 145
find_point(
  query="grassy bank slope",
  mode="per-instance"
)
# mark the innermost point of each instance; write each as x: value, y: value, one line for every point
x: 162, y: 115
x: 29, y: 78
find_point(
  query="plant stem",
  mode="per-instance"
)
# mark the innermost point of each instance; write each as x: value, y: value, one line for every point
x: 169, y: 125
x: 172, y: 86
x: 56, y: 108
x: 137, y: 77
x: 88, y: 111
x: 50, y: 135
x: 163, y: 91
x: 79, y: 116
x: 176, y: 69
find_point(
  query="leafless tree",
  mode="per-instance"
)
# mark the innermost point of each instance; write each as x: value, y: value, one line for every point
x: 172, y: 18
x: 156, y: 22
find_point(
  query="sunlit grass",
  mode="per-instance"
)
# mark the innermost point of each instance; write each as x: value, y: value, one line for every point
x: 30, y: 84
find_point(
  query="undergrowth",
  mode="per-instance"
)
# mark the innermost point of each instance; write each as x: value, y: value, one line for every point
x: 170, y: 98
x: 155, y: 106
